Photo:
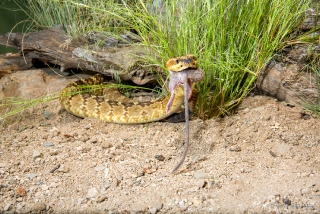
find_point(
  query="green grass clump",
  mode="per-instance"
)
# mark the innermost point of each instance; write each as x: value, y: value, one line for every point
x: 233, y: 39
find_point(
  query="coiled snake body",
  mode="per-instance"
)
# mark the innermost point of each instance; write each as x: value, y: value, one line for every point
x: 183, y: 76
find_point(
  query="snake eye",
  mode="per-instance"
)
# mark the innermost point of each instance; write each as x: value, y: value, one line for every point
x: 177, y: 61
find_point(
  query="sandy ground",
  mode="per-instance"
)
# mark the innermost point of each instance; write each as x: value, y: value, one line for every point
x: 264, y: 159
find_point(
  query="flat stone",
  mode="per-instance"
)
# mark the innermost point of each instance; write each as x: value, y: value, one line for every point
x: 106, y: 145
x: 64, y: 169
x: 34, y: 208
x: 99, y: 168
x: 102, y: 198
x: 36, y: 154
x: 159, y: 157
x: 106, y: 185
x: 92, y: 192
x: 153, y: 210
x: 157, y: 204
x: 47, y: 114
x: 8, y: 206
x: 31, y: 176
x: 44, y: 187
x: 48, y: 144
x: 9, y: 212
x: 200, y: 175
x: 235, y: 149
x: 283, y: 148
x: 200, y: 183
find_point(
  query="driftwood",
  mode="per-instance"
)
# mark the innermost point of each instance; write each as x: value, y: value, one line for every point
x: 287, y: 78
x: 10, y: 63
x: 114, y: 58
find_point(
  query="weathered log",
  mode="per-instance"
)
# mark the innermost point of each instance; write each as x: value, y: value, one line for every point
x: 10, y: 63
x: 56, y: 47
x: 286, y: 78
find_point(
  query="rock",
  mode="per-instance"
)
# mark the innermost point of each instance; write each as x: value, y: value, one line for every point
x: 159, y: 157
x: 92, y: 193
x: 94, y: 139
x: 34, y: 208
x: 32, y: 83
x: 9, y: 212
x: 235, y: 149
x: 31, y: 176
x: 21, y: 191
x: 157, y: 204
x: 200, y: 183
x: 8, y: 206
x: 99, y: 168
x: 106, y: 145
x: 153, y: 210
x: 200, y: 175
x: 48, y: 144
x: 54, y: 152
x: 44, y: 187
x: 36, y: 154
x: 102, y: 198
x: 47, y: 114
x: 197, y: 202
x: 283, y: 148
x: 64, y: 169
x: 106, y: 185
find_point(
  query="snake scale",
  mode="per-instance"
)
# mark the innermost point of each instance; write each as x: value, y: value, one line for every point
x: 184, y: 74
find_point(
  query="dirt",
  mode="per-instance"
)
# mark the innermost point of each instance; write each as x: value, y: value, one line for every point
x: 263, y: 159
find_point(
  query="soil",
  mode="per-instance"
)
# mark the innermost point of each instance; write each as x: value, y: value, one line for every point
x: 263, y: 159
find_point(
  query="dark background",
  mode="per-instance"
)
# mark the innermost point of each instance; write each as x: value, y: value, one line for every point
x: 10, y: 15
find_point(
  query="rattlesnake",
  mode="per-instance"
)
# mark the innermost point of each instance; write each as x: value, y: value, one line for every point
x: 183, y: 76
x: 88, y: 105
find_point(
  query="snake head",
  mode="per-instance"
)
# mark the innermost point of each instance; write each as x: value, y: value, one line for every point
x: 186, y: 78
x: 181, y: 63
x: 183, y: 71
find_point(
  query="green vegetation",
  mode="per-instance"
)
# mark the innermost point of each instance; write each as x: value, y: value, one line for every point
x: 233, y: 39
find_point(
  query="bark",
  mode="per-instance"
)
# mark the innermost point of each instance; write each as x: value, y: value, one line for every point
x: 288, y: 79
x: 10, y: 63
x: 115, y: 58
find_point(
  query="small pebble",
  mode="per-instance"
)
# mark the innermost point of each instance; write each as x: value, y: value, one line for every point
x: 36, y: 154
x: 201, y: 183
x: 3, y: 165
x: 21, y: 191
x: 64, y: 169
x: 34, y: 208
x: 48, y: 144
x: 159, y: 157
x: 31, y: 176
x: 47, y: 114
x: 235, y: 149
x: 44, y: 187
x: 92, y: 192
x: 99, y: 168
x: 153, y: 210
x: 54, y: 152
x: 106, y: 185
x: 106, y: 145
x: 102, y: 199
x: 9, y: 212
x: 7, y: 206
x: 157, y: 204
x: 200, y: 175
